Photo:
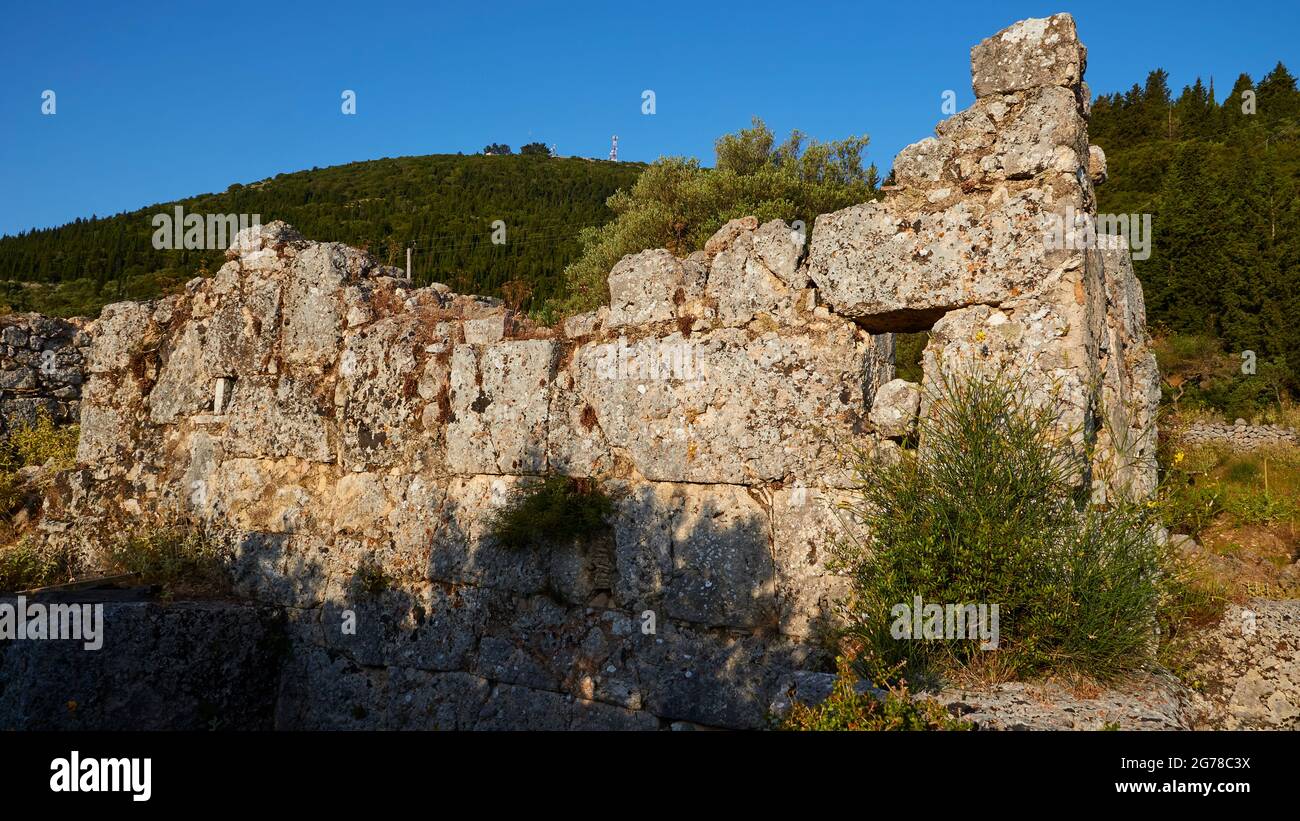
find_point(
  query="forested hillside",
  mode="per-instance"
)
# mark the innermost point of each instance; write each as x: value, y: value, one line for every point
x: 446, y: 204
x: 1221, y: 179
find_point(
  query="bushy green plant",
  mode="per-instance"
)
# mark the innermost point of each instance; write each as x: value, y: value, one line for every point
x: 31, y: 445
x: 371, y: 580
x: 1203, y: 485
x: 556, y: 510
x: 990, y: 510
x: 40, y: 443
x: 908, y: 350
x: 678, y: 204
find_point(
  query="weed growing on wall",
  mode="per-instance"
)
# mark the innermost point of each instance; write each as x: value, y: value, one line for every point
x: 849, y: 708
x: 27, y: 564
x: 554, y: 511
x: 182, y: 560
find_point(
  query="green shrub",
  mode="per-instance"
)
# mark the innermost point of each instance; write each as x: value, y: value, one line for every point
x: 678, y: 204
x: 12, y: 490
x: 1190, y: 599
x: 1204, y: 485
x: 38, y: 444
x: 556, y: 510
x: 908, y: 350
x: 1189, y: 504
x: 989, y: 510
x: 371, y: 580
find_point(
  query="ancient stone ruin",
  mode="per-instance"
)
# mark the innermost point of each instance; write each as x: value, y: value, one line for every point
x: 324, y: 416
x: 42, y: 366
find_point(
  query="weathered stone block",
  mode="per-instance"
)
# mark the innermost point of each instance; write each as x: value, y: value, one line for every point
x: 499, y: 400
x: 647, y: 287
x: 895, y: 407
x: 1031, y: 53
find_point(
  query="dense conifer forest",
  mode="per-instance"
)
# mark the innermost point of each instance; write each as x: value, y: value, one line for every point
x: 1220, y: 173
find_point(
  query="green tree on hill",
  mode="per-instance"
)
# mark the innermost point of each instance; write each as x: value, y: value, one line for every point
x: 678, y: 204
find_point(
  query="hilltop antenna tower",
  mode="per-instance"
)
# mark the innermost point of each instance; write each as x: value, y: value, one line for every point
x: 613, y: 149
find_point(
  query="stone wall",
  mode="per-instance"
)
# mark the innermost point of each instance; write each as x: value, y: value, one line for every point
x: 1239, y: 436
x: 320, y: 415
x: 323, y: 416
x: 960, y: 246
x: 42, y: 362
x: 185, y: 666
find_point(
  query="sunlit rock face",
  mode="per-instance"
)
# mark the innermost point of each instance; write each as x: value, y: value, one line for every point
x: 985, y: 240
x: 322, y: 415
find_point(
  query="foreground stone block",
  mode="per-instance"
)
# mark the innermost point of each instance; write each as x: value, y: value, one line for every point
x: 727, y: 406
x: 892, y: 268
x: 186, y: 666
x: 499, y: 398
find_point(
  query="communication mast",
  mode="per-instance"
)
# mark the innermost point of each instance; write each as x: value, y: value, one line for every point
x: 613, y: 149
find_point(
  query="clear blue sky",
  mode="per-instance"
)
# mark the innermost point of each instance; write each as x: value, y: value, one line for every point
x: 159, y: 101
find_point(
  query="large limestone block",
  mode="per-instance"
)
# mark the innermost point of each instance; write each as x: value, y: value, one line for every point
x: 277, y: 237
x: 290, y: 570
x: 241, y: 336
x: 284, y: 496
x: 1040, y: 131
x: 388, y: 373
x: 695, y: 553
x: 647, y: 287
x: 708, y: 679
x: 726, y: 406
x: 499, y: 399
x: 462, y: 548
x: 1130, y: 391
x: 806, y: 524
x: 279, y: 416
x: 420, y: 626
x: 1036, y: 52
x: 756, y: 272
x: 722, y: 572
x: 1014, y: 137
x: 895, y: 269
x: 119, y: 333
x: 110, y: 409
x: 895, y: 407
x: 643, y: 542
x: 184, y: 386
x: 313, y: 302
